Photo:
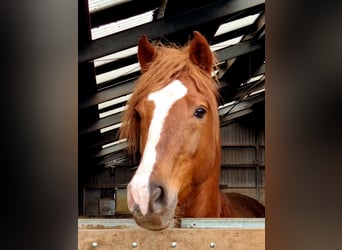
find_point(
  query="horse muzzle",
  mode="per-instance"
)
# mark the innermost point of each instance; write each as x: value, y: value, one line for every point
x: 154, y: 210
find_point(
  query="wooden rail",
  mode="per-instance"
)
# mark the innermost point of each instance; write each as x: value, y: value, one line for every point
x: 237, y: 234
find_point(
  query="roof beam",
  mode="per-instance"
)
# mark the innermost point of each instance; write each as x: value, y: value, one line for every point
x: 126, y: 88
x: 237, y: 50
x: 113, y: 43
x: 102, y: 123
x: 122, y: 11
x: 108, y: 94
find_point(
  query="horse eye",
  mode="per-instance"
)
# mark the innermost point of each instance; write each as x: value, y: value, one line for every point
x: 199, y: 113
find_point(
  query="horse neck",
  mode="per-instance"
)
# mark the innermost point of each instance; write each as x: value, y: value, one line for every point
x: 206, y: 199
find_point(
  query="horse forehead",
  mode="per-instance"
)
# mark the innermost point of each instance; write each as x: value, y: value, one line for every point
x: 168, y: 95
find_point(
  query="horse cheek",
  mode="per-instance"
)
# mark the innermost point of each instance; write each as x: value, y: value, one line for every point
x: 193, y: 144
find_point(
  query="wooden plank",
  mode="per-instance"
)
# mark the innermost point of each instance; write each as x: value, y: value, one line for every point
x: 178, y: 238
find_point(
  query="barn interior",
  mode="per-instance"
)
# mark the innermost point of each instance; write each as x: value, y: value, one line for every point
x: 108, y: 33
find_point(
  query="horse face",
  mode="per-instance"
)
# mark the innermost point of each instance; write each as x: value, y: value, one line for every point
x: 176, y: 135
x: 176, y: 130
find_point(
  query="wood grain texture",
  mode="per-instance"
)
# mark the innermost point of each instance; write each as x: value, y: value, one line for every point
x: 237, y: 239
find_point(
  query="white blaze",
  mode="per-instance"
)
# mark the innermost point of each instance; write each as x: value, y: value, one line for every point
x: 138, y: 191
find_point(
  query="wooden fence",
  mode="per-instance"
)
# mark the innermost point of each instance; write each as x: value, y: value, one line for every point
x: 237, y: 234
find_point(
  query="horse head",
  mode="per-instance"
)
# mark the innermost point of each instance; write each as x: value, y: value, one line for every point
x: 172, y: 121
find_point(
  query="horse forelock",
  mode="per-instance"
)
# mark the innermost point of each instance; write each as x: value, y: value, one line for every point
x: 170, y: 62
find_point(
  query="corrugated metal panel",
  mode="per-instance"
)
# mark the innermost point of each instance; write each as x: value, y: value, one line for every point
x: 237, y: 134
x: 261, y: 155
x: 262, y: 178
x: 106, y: 177
x: 243, y: 156
x: 115, y: 176
x: 238, y: 177
x: 261, y: 135
x: 238, y: 155
x: 123, y: 175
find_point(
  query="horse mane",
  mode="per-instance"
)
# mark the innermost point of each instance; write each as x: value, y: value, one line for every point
x: 170, y: 62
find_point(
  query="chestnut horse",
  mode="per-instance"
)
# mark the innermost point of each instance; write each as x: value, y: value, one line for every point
x: 173, y: 122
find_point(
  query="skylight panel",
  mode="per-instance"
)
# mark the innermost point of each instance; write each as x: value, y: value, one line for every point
x: 112, y: 112
x: 111, y: 75
x: 236, y: 24
x: 226, y: 105
x: 257, y: 92
x: 225, y: 44
x: 112, y: 127
x: 114, y: 143
x: 97, y: 5
x: 115, y: 56
x: 114, y: 101
x: 112, y: 28
x: 253, y: 79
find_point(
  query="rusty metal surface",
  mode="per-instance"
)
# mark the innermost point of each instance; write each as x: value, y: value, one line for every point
x: 107, y: 206
x: 98, y: 223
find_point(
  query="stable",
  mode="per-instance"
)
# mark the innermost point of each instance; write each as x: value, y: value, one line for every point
x: 108, y: 70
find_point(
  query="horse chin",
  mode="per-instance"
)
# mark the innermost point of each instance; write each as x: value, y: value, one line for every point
x: 158, y: 218
x: 154, y: 221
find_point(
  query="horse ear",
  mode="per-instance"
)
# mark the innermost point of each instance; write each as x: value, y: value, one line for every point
x: 200, y: 52
x: 146, y: 52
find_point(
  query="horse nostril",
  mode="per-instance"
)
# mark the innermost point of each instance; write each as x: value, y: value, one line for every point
x: 157, y: 198
x: 157, y: 193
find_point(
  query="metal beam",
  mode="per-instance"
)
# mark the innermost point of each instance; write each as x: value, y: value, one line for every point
x: 110, y: 150
x: 250, y: 223
x: 108, y: 94
x: 122, y: 11
x: 235, y: 110
x: 237, y: 50
x: 247, y: 223
x: 214, y: 11
x: 84, y: 223
x: 126, y: 88
x: 102, y: 123
x: 241, y: 70
x: 97, y: 140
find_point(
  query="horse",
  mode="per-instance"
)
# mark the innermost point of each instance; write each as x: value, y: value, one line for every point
x: 172, y: 122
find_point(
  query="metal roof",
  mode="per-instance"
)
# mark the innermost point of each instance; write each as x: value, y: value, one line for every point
x: 108, y: 66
